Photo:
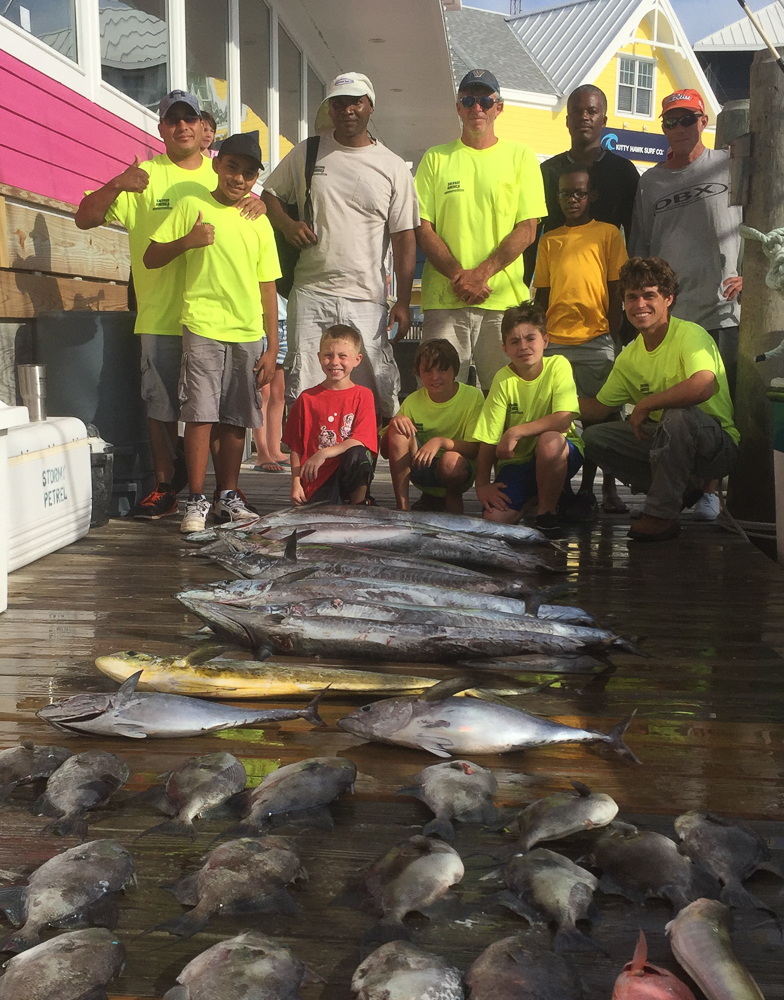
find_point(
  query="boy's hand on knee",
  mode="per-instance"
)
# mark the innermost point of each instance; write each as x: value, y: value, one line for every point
x: 403, y: 425
x: 427, y: 453
x: 637, y: 419
x: 492, y: 497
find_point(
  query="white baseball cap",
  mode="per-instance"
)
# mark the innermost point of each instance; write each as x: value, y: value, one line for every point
x: 344, y: 85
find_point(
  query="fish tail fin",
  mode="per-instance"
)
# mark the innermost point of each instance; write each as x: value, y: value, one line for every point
x: 311, y: 712
x: 439, y: 827
x: 615, y: 739
x: 640, y: 954
x: 173, y: 828
x: 184, y: 926
x: 21, y: 940
x: 736, y: 897
x: 67, y: 826
x: 570, y: 939
x: 386, y: 930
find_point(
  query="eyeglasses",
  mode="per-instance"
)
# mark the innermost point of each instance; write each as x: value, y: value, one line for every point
x: 485, y: 103
x: 685, y: 120
x: 175, y: 119
x: 573, y: 195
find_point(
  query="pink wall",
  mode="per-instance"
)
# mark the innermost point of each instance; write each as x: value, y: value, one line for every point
x: 55, y: 142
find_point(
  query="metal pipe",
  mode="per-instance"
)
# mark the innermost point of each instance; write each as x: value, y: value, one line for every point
x: 752, y: 17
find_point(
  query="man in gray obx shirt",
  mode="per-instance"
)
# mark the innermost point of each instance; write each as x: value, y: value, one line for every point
x: 682, y: 214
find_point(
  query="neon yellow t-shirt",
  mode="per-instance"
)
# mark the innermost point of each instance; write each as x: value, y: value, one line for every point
x: 158, y: 292
x: 512, y: 400
x: 474, y: 198
x: 685, y: 350
x: 221, y: 298
x: 575, y: 263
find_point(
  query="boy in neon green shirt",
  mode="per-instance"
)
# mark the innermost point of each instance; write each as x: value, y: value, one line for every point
x: 229, y: 304
x: 526, y: 427
x: 429, y: 442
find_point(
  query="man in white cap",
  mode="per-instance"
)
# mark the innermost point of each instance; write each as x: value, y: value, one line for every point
x: 363, y: 197
x: 481, y: 198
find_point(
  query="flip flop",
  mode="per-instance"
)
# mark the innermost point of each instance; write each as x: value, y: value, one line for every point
x: 269, y: 467
x: 614, y: 505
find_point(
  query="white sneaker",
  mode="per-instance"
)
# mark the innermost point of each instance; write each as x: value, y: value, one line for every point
x: 706, y: 508
x: 232, y: 506
x: 196, y: 510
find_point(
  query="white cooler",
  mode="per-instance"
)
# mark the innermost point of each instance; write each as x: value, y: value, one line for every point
x: 10, y: 416
x: 49, y: 496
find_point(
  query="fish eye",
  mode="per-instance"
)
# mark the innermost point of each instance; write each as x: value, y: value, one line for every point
x: 365, y: 708
x: 131, y: 652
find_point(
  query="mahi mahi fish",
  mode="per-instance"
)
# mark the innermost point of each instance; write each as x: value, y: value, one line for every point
x: 456, y: 726
x: 72, y: 966
x: 167, y: 716
x: 701, y: 942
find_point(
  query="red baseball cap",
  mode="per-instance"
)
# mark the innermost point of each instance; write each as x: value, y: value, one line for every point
x: 690, y: 99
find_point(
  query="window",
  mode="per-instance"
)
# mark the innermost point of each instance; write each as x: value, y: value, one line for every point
x: 315, y: 97
x: 635, y: 86
x: 206, y: 42
x: 289, y: 91
x: 51, y: 21
x: 255, y: 71
x: 135, y: 49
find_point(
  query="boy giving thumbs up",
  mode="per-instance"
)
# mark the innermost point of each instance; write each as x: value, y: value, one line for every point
x: 229, y: 304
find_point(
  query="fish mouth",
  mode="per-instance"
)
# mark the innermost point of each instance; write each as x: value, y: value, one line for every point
x: 350, y: 725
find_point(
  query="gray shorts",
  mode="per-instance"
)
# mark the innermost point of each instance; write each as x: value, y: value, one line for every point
x: 161, y: 361
x: 591, y: 363
x: 476, y: 336
x: 217, y: 381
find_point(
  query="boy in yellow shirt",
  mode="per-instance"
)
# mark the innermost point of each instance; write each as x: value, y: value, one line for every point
x: 428, y: 442
x: 526, y: 426
x: 229, y: 304
x: 576, y: 281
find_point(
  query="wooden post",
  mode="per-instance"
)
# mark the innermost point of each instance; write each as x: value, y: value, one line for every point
x: 751, y: 493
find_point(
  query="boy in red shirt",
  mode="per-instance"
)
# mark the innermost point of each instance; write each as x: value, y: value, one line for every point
x: 331, y: 429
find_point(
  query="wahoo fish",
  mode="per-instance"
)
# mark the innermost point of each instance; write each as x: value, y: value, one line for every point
x: 139, y: 715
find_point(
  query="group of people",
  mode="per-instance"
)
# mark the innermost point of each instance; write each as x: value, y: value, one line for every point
x: 553, y: 373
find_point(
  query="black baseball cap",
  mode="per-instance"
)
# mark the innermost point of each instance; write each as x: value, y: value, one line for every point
x: 479, y: 78
x: 243, y: 144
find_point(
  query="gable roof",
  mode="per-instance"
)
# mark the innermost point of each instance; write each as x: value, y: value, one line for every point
x: 481, y: 38
x: 741, y: 36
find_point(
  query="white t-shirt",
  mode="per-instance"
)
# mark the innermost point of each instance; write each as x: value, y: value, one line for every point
x: 685, y: 217
x: 360, y: 195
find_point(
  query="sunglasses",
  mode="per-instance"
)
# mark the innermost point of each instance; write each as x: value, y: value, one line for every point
x: 176, y: 119
x: 485, y: 103
x: 685, y: 120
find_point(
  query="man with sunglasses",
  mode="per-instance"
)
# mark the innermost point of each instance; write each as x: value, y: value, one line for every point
x: 480, y: 198
x: 682, y: 214
x: 139, y: 198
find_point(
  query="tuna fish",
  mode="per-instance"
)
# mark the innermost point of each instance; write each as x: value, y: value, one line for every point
x: 400, y: 971
x: 28, y: 763
x: 564, y: 813
x: 454, y: 726
x: 640, y: 980
x: 81, y: 783
x: 78, y: 884
x: 239, y: 877
x: 139, y: 715
x: 456, y: 790
x: 249, y: 966
x: 507, y: 970
x: 73, y: 966
x: 700, y: 940
x: 197, y: 786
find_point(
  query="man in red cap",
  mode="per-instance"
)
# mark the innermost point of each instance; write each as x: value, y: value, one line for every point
x: 683, y: 215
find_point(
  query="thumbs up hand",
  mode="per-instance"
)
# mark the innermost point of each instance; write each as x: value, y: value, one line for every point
x: 133, y: 178
x: 202, y: 234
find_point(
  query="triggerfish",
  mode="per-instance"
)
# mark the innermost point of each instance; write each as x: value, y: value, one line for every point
x: 642, y: 981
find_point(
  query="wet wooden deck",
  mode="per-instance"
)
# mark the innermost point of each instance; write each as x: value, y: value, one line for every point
x: 709, y: 729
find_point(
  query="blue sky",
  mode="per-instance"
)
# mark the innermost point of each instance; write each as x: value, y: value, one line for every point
x: 698, y: 17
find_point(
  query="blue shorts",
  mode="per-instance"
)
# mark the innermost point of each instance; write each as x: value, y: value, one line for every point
x: 519, y: 479
x: 428, y: 480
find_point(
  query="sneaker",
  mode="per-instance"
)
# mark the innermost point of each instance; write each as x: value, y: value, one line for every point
x: 160, y: 503
x: 549, y: 524
x: 580, y: 508
x: 706, y: 508
x: 196, y: 510
x: 233, y: 506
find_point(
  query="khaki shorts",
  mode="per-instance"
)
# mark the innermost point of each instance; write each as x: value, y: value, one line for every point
x: 475, y: 335
x: 161, y: 362
x: 217, y: 381
x: 591, y: 363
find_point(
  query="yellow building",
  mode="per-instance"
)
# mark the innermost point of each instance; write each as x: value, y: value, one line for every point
x: 635, y: 50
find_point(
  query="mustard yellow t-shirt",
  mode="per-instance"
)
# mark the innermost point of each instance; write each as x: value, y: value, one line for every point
x: 474, y: 198
x: 221, y: 297
x: 159, y: 291
x: 576, y: 263
x: 512, y: 400
x: 685, y: 350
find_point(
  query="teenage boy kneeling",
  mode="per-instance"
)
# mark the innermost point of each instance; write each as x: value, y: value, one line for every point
x: 331, y: 429
x: 427, y: 443
x: 229, y: 304
x: 526, y: 426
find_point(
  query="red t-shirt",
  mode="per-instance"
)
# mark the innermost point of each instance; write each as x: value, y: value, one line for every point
x: 323, y: 417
